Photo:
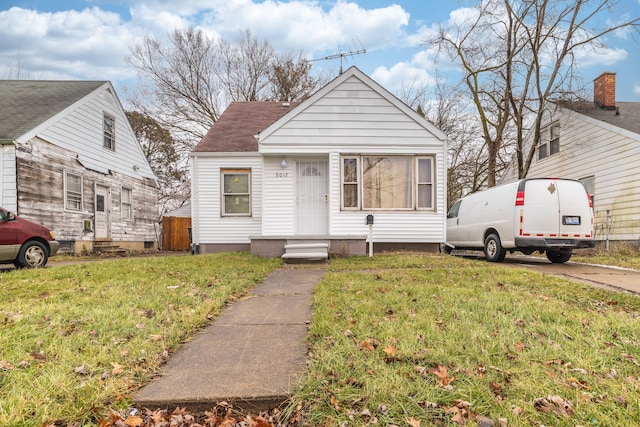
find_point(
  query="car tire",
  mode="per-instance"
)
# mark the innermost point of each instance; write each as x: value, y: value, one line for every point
x: 558, y: 257
x: 33, y: 254
x: 493, y: 250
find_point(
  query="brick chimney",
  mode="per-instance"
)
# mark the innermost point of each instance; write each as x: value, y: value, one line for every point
x: 604, y: 91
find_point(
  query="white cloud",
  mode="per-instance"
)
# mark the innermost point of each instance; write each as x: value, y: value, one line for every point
x: 402, y: 75
x: 636, y: 88
x: 92, y: 43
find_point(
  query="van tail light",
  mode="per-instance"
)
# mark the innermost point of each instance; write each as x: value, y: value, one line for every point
x: 590, y: 200
x: 520, y: 198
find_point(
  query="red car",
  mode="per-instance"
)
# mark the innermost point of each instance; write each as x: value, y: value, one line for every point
x: 25, y: 243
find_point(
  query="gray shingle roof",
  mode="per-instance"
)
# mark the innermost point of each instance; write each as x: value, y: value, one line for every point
x: 629, y: 117
x: 25, y: 104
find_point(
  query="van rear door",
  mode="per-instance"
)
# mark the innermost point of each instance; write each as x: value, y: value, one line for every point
x: 575, y: 210
x: 540, y: 215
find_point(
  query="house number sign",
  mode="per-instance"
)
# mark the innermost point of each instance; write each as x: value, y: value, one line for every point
x: 282, y: 174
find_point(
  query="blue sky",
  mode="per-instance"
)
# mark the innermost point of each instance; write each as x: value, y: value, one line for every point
x: 89, y: 39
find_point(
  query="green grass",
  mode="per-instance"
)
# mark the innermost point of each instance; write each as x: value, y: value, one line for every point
x: 77, y: 340
x: 394, y: 340
x: 626, y: 256
x: 383, y: 327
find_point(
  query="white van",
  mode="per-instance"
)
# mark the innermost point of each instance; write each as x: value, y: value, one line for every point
x: 540, y: 214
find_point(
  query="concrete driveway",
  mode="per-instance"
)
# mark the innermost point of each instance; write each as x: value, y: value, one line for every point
x: 614, y: 278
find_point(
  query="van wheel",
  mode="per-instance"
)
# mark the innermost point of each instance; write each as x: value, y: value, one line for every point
x: 493, y: 250
x: 558, y: 257
x: 32, y: 254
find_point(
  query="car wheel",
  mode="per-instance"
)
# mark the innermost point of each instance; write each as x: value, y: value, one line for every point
x: 558, y: 257
x: 32, y: 254
x: 493, y: 250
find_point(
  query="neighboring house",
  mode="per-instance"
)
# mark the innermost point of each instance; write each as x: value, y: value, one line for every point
x: 70, y: 161
x: 597, y: 143
x: 307, y: 175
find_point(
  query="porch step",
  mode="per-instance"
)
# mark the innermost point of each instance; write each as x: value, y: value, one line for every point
x: 107, y: 247
x: 311, y: 251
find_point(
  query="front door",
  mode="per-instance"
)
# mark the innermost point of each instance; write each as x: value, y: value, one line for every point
x: 312, y: 197
x: 103, y: 207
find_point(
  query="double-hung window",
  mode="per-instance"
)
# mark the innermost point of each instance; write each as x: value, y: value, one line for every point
x: 387, y: 182
x: 126, y: 204
x: 236, y: 192
x: 109, y: 132
x: 72, y: 191
x: 549, y: 141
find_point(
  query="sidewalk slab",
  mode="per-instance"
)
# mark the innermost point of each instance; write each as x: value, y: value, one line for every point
x: 251, y: 356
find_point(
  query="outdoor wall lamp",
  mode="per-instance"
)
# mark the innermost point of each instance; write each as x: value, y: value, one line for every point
x: 283, y: 164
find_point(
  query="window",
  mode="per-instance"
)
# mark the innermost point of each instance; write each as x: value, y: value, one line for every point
x: 549, y: 142
x: 350, y: 197
x: 126, y: 206
x: 72, y: 191
x: 109, y: 132
x: 387, y: 182
x: 425, y: 183
x: 236, y: 192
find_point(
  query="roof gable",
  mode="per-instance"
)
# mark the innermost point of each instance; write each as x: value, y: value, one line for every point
x: 354, y: 73
x: 238, y: 125
x: 26, y: 104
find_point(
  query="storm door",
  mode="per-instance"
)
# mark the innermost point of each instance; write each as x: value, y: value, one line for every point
x: 312, y: 198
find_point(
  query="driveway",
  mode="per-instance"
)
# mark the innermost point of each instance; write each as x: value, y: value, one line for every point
x: 614, y: 278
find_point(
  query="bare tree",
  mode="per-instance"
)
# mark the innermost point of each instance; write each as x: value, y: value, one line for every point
x: 291, y: 79
x: 515, y: 55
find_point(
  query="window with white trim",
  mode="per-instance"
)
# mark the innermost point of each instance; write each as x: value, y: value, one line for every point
x: 72, y: 191
x: 236, y: 192
x: 387, y: 182
x: 549, y: 141
x: 109, y: 132
x: 126, y: 203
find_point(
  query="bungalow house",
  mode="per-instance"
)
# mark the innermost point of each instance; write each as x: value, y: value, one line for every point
x: 350, y: 165
x: 70, y: 161
x: 597, y: 143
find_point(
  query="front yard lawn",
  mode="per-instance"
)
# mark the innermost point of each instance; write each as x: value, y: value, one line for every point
x: 395, y: 340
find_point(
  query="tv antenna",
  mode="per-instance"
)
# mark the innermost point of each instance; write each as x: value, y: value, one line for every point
x: 341, y: 55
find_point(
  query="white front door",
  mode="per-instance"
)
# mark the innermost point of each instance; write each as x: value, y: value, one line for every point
x: 103, y: 207
x: 312, y: 197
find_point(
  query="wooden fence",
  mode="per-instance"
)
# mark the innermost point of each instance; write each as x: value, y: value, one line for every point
x: 175, y: 233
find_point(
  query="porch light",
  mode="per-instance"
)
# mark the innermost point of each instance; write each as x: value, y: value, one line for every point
x: 283, y: 164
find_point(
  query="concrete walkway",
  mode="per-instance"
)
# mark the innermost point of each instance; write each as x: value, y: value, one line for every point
x: 251, y: 356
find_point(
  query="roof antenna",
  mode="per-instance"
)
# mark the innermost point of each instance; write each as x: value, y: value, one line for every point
x: 343, y: 55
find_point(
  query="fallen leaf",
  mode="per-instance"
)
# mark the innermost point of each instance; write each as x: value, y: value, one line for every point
x: 413, y: 422
x: 369, y: 344
x: 554, y: 405
x: 443, y: 375
x: 134, y: 421
x: 334, y: 403
x: 5, y: 365
x: 390, y: 351
x: 117, y: 369
x: 81, y: 370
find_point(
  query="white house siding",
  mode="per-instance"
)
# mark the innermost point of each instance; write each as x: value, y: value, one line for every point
x: 80, y: 130
x: 208, y: 226
x: 611, y: 155
x: 278, y: 200
x: 8, y: 194
x: 354, y: 119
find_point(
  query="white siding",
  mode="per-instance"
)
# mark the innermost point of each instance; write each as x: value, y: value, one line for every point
x: 611, y: 155
x: 209, y: 227
x: 278, y: 199
x: 81, y: 132
x: 350, y: 118
x: 8, y: 194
